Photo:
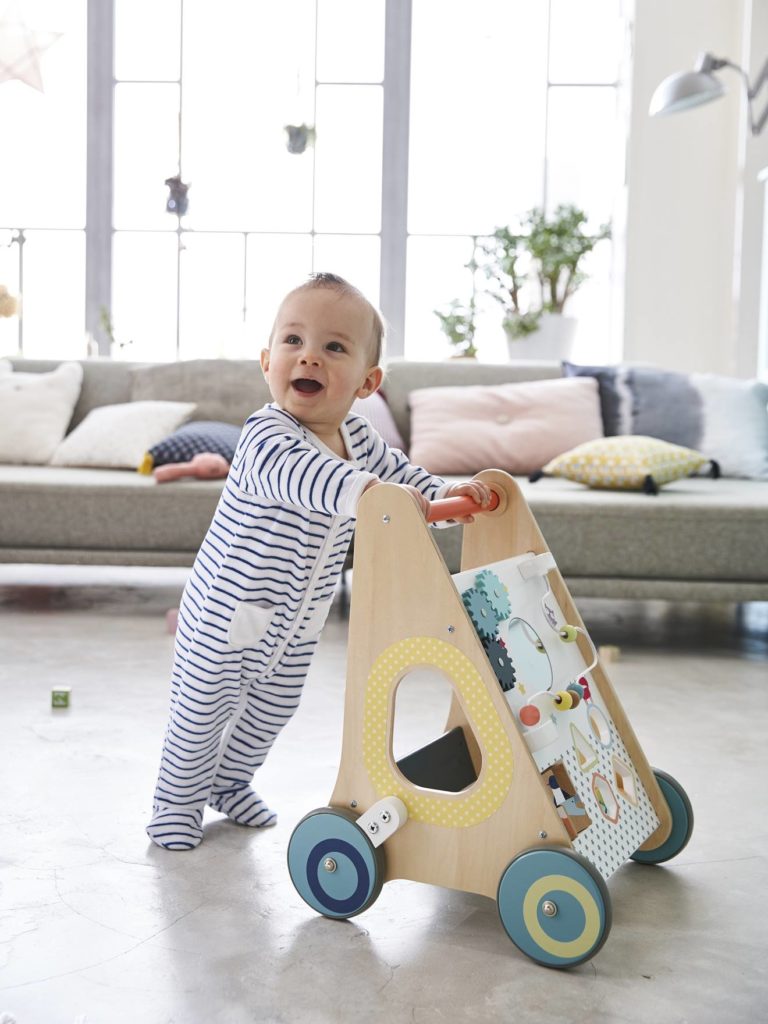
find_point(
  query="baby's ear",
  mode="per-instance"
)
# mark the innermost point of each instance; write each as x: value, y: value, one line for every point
x: 372, y: 382
x: 264, y: 359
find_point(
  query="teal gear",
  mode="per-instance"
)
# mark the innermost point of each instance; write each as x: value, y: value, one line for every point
x: 489, y: 584
x: 481, y: 612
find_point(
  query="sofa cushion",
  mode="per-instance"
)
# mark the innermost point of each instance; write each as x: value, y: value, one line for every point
x: 627, y: 463
x: 379, y: 415
x: 724, y: 417
x: 35, y: 409
x: 105, y: 510
x: 192, y: 439
x: 515, y: 427
x: 222, y: 389
x: 118, y: 436
x: 623, y: 535
x: 406, y: 375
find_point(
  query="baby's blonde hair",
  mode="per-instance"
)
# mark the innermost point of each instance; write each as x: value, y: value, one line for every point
x: 343, y: 287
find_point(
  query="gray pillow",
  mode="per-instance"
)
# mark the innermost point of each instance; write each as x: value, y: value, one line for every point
x: 226, y: 390
x: 724, y: 418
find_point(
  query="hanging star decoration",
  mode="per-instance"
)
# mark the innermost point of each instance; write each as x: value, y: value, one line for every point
x: 21, y: 48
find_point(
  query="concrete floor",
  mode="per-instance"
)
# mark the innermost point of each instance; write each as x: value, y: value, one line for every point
x: 97, y: 926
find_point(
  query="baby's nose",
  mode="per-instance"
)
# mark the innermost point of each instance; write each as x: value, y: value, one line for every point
x: 310, y: 357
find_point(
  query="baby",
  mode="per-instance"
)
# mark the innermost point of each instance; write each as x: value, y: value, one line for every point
x: 265, y: 575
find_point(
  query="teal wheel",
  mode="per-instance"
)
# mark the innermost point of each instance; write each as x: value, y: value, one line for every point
x: 333, y: 865
x: 554, y: 906
x: 682, y: 822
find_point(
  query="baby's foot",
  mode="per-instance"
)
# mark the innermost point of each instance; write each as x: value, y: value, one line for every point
x: 244, y: 806
x: 176, y: 828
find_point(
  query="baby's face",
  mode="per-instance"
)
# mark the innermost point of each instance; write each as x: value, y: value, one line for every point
x: 319, y: 360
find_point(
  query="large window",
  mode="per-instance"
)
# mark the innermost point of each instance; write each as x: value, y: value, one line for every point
x: 505, y: 104
x: 42, y: 187
x: 517, y: 107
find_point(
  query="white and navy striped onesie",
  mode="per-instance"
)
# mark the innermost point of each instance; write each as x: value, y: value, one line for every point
x: 253, y: 609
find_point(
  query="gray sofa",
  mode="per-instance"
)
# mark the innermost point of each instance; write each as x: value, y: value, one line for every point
x: 699, y: 539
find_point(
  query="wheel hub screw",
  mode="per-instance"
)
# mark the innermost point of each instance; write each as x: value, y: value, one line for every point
x: 385, y: 519
x: 373, y: 828
x: 548, y: 908
x: 542, y: 834
x: 329, y: 864
x: 451, y: 629
x: 385, y: 816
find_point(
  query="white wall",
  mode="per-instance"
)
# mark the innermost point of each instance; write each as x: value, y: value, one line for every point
x: 694, y: 204
x: 749, y: 270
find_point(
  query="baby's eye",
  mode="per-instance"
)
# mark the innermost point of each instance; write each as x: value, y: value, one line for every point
x: 293, y: 339
x: 335, y: 346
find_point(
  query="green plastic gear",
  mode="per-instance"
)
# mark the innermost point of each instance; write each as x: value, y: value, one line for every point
x: 481, y: 612
x: 489, y: 584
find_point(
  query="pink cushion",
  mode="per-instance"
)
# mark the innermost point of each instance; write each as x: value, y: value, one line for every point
x: 379, y: 415
x: 515, y: 427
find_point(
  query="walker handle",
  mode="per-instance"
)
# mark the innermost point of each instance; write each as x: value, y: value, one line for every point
x: 463, y: 505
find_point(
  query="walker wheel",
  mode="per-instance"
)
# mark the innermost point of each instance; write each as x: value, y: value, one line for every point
x: 682, y: 822
x: 333, y: 865
x: 554, y: 906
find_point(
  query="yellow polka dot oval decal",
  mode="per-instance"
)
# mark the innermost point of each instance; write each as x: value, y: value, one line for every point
x: 453, y: 810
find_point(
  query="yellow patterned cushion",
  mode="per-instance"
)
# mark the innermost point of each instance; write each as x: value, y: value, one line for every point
x: 626, y: 462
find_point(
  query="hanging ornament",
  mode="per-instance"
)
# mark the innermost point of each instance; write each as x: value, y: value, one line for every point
x: 298, y: 137
x: 21, y: 48
x: 177, y: 201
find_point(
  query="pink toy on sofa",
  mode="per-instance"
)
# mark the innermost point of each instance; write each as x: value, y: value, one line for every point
x: 204, y: 466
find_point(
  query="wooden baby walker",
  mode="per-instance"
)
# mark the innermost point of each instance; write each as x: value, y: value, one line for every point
x: 537, y: 791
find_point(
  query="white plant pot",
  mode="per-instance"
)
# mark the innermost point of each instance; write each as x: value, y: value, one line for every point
x: 552, y: 341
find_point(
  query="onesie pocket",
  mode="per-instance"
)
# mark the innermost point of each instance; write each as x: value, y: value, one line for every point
x: 249, y: 624
x: 314, y: 624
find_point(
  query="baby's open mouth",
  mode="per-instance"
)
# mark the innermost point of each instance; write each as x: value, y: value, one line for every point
x: 306, y: 386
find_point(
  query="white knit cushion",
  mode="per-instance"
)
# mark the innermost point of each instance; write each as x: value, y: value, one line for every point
x: 35, y: 410
x: 117, y: 436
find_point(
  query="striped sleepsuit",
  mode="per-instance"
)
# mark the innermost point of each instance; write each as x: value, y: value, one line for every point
x: 253, y: 609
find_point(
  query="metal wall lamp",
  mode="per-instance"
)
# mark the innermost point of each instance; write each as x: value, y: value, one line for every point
x: 687, y: 89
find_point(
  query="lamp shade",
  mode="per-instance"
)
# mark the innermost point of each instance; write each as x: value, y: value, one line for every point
x: 684, y: 90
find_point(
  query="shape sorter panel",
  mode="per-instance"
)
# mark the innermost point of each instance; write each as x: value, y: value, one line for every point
x: 561, y: 714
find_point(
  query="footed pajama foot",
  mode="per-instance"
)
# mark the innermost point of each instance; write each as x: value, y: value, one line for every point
x: 244, y: 806
x: 176, y: 828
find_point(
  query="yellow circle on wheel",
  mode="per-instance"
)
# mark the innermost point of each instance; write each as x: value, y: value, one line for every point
x: 452, y: 810
x: 590, y: 933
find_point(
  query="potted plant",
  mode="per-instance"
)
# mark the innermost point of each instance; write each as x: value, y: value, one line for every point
x: 532, y: 272
x: 458, y: 324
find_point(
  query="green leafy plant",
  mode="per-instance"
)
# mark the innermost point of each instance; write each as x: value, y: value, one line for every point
x: 458, y: 324
x: 108, y: 327
x: 546, y: 250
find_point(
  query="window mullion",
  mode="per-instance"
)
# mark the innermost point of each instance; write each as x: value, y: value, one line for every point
x: 99, y: 167
x: 394, y: 183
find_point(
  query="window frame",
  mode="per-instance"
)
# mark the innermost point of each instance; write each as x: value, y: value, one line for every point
x: 393, y: 234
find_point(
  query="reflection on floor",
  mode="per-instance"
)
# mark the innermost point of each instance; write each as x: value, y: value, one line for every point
x: 99, y: 926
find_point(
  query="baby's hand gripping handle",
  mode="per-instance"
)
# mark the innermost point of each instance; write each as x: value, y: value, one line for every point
x: 463, y: 505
